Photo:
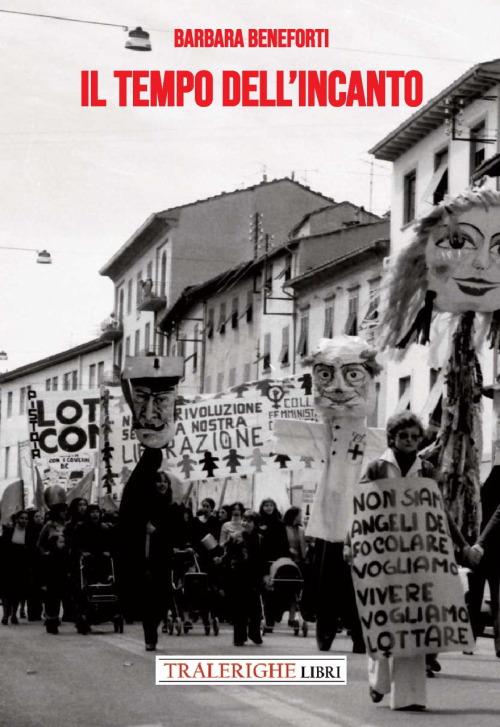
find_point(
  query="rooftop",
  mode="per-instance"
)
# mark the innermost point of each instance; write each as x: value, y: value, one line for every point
x: 159, y: 221
x: 470, y: 86
x: 94, y: 345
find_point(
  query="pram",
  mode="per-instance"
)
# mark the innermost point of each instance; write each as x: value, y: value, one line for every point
x: 191, y: 593
x: 286, y: 585
x: 98, y: 596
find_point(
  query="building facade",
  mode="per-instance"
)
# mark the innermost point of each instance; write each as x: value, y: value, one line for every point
x: 81, y: 367
x: 190, y: 244
x: 262, y: 318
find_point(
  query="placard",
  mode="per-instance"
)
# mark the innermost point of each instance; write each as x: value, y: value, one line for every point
x: 408, y: 590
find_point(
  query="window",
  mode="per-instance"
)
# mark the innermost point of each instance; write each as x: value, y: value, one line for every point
x: 10, y: 401
x: 477, y: 147
x: 147, y: 337
x: 74, y: 380
x: 351, y: 326
x: 208, y: 385
x: 149, y: 271
x: 440, y: 177
x: 303, y: 342
x: 222, y: 319
x: 234, y: 314
x: 129, y: 296
x: 181, y: 345
x: 127, y: 346
x: 55, y: 383
x: 119, y: 305
x: 266, y: 358
x: 100, y: 372
x: 232, y: 377
x: 7, y: 457
x: 210, y: 322
x: 220, y: 382
x: 137, y: 343
x: 409, y: 190
x: 138, y: 290
x: 329, y: 311
x: 285, y: 346
x: 370, y: 321
x: 22, y: 399
x: 48, y: 384
x: 92, y: 376
x: 247, y: 372
x: 286, y: 273
x: 66, y: 382
x: 163, y: 274
x: 249, y: 308
x: 404, y: 393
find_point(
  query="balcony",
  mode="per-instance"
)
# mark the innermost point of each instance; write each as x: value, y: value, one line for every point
x: 111, y: 329
x: 150, y: 299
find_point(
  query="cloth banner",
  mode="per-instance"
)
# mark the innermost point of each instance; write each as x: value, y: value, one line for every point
x: 11, y: 500
x: 64, y: 437
x: 216, y: 436
x: 408, y: 589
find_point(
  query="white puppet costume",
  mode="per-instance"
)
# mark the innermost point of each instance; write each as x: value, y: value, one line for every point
x: 344, y: 368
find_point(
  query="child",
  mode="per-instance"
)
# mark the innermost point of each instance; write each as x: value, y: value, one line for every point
x: 245, y: 565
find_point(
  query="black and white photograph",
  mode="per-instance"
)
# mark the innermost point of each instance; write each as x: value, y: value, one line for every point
x: 250, y: 363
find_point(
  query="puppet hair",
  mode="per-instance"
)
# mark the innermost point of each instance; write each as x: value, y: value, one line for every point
x: 408, y: 302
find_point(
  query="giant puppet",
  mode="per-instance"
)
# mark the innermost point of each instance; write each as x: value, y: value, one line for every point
x: 453, y: 266
x: 344, y: 369
x: 149, y: 384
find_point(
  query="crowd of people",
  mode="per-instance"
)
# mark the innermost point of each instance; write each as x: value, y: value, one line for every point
x: 41, y: 556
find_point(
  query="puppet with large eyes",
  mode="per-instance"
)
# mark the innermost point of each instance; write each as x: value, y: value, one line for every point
x: 343, y: 370
x: 453, y: 266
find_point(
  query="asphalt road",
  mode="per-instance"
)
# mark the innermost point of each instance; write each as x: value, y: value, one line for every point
x: 107, y: 680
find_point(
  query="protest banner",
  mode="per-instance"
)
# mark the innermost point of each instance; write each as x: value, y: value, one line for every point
x: 63, y: 437
x: 216, y: 436
x: 406, y: 580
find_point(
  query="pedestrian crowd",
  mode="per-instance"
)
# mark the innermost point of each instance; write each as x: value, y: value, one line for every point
x: 228, y: 553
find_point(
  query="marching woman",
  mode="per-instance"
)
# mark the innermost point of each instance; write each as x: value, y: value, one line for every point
x: 404, y: 677
x: 16, y: 552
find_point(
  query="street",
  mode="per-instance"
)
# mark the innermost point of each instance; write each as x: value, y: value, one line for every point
x: 107, y: 680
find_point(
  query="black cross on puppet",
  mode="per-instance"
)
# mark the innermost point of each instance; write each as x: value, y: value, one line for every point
x: 355, y: 451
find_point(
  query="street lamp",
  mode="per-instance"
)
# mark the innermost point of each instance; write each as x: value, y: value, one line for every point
x: 138, y: 39
x: 43, y: 257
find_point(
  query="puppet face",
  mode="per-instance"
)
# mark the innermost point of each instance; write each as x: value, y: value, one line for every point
x: 154, y: 415
x: 463, y: 262
x: 342, y: 388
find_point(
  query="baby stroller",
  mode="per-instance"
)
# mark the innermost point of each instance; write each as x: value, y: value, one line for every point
x: 286, y: 583
x: 191, y: 593
x: 98, y: 596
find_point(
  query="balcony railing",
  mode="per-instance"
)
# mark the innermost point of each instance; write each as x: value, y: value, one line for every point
x: 111, y: 329
x: 150, y: 299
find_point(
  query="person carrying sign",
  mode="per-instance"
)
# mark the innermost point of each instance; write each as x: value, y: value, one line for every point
x: 406, y: 590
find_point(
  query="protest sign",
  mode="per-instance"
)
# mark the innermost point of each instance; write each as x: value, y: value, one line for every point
x: 216, y: 436
x: 63, y: 436
x: 408, y: 591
